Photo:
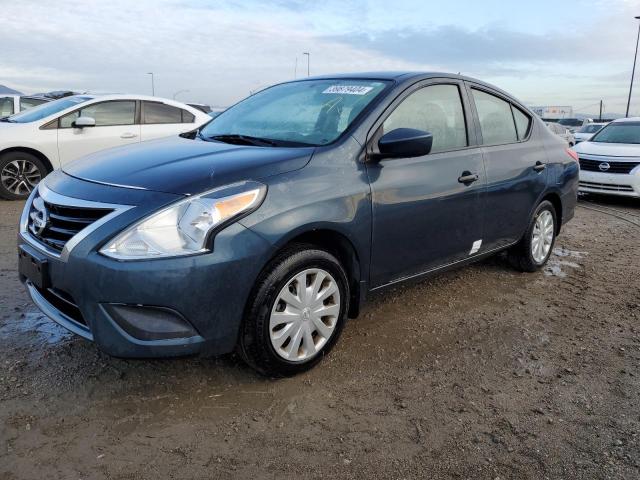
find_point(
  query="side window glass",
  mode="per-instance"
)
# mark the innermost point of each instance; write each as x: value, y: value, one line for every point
x: 496, y: 120
x: 105, y: 114
x: 155, y: 112
x: 436, y: 109
x: 523, y: 122
x: 6, y: 106
x: 188, y: 117
x: 68, y: 119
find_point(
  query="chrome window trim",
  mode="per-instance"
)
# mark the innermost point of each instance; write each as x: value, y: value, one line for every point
x: 57, y: 199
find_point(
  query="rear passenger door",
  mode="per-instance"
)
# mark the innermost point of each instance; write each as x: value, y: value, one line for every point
x: 162, y: 120
x: 515, y: 163
x: 425, y: 214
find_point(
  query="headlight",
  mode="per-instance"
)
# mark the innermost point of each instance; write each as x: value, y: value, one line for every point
x: 184, y: 227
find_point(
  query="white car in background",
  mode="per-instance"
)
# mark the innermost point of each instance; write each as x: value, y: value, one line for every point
x: 610, y: 160
x: 587, y: 131
x: 562, y: 132
x: 36, y: 141
x: 10, y: 104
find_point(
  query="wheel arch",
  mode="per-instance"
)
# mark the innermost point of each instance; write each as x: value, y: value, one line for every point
x: 41, y: 156
x: 339, y: 245
x: 556, y: 201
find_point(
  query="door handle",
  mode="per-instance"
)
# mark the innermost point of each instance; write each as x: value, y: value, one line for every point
x: 128, y: 135
x: 467, y: 177
x: 539, y: 166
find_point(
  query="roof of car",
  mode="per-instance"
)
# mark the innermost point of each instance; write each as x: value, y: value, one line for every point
x: 133, y: 96
x: 407, y: 76
x: 391, y: 75
x: 629, y: 119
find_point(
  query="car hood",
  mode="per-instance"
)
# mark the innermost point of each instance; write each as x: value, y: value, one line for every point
x: 184, y: 166
x: 609, y: 149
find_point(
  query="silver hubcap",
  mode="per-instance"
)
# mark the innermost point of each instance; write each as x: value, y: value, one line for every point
x: 542, y: 236
x: 304, y: 315
x: 20, y: 176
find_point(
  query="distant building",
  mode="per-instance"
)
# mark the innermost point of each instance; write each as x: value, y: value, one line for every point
x: 553, y: 111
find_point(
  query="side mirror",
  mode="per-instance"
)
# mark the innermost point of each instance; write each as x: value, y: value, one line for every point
x: 82, y: 122
x: 404, y: 142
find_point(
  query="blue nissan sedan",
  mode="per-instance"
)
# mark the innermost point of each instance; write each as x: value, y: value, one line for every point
x: 264, y: 230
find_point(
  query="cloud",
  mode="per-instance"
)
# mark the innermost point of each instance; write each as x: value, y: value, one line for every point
x: 220, y: 51
x: 219, y: 55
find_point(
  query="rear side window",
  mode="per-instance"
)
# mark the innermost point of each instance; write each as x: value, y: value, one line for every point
x: 155, y: 112
x: 436, y: 109
x: 523, y: 122
x: 496, y: 120
x: 188, y: 117
x: 6, y: 106
x: 105, y: 114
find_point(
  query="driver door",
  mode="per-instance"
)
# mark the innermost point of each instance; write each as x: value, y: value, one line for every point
x: 116, y: 125
x: 424, y: 217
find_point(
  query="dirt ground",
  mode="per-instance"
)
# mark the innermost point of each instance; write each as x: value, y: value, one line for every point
x: 477, y: 373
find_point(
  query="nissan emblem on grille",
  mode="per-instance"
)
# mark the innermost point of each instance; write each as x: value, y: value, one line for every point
x: 604, y: 166
x: 39, y: 217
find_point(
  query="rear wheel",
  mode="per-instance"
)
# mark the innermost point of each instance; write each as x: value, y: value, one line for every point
x: 20, y: 172
x: 296, y: 313
x: 535, y: 247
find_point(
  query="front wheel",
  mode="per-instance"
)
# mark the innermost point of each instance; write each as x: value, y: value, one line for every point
x: 535, y: 247
x: 296, y: 312
x: 20, y: 172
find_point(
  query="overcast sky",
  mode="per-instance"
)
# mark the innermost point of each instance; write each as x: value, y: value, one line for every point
x: 545, y: 52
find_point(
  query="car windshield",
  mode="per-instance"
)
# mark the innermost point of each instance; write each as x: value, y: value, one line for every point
x: 310, y: 112
x: 622, y: 132
x: 590, y: 128
x: 46, y: 109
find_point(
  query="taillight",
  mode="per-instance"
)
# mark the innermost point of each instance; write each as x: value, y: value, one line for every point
x: 572, y: 154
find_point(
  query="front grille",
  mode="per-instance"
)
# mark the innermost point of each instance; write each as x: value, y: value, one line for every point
x: 64, y: 303
x: 614, y: 167
x: 606, y: 187
x: 54, y: 225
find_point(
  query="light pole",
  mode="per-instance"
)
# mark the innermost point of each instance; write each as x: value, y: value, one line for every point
x: 153, y: 89
x: 635, y: 57
x: 308, y: 60
x: 178, y: 93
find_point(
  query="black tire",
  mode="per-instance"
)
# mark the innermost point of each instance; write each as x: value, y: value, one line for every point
x: 254, y: 343
x: 520, y: 255
x: 7, y: 159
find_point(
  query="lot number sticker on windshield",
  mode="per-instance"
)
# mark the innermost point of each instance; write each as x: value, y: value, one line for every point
x: 348, y: 89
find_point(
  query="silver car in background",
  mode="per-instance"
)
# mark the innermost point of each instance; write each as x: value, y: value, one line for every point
x: 563, y: 132
x: 587, y: 131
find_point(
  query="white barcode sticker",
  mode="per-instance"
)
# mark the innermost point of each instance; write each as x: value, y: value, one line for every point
x: 348, y: 89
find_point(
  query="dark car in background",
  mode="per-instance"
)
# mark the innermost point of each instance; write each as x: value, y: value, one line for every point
x: 265, y: 229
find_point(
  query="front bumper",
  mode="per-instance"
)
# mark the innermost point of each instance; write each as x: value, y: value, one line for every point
x: 625, y: 185
x: 204, y: 295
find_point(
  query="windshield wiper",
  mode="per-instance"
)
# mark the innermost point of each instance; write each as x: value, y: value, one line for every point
x: 237, y: 139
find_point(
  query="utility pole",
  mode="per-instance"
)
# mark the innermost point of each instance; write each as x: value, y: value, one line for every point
x: 600, y: 117
x: 153, y: 88
x: 308, y: 60
x: 635, y: 57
